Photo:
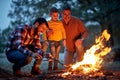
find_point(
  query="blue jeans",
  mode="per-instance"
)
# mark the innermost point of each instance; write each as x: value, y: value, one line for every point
x: 55, y: 47
x: 19, y: 59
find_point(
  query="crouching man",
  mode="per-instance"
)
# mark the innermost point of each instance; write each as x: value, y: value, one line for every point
x: 24, y: 44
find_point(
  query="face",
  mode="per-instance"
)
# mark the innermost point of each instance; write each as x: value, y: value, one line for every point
x: 66, y: 15
x: 41, y: 28
x: 54, y: 16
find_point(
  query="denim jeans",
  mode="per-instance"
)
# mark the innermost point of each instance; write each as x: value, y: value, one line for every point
x: 55, y: 47
x: 19, y: 59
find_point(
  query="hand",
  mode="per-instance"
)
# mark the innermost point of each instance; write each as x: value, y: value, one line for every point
x: 78, y: 42
x: 48, y: 55
x: 49, y: 32
x: 36, y: 56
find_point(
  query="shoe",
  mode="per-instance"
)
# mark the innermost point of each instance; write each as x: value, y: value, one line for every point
x: 36, y: 71
x: 49, y: 68
x: 55, y: 68
x: 55, y: 65
x: 17, y: 71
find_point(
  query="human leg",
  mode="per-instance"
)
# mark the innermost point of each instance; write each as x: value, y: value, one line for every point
x: 79, y: 53
x: 52, y: 52
x: 35, y: 68
x: 68, y: 57
x: 57, y: 51
x: 19, y: 60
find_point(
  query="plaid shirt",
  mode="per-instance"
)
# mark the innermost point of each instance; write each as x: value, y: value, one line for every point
x: 21, y: 40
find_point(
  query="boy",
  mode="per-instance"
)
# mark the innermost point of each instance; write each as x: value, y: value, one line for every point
x: 55, y: 35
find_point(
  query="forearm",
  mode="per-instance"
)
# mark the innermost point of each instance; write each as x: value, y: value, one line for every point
x: 24, y: 50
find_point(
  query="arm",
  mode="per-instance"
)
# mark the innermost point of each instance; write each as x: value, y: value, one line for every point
x: 20, y: 35
x: 82, y: 35
x: 83, y: 31
x: 63, y: 35
x: 63, y: 32
x: 37, y: 45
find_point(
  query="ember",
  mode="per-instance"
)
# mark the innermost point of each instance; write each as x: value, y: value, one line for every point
x: 92, y: 61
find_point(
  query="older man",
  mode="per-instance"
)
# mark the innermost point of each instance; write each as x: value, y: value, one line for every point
x: 76, y: 33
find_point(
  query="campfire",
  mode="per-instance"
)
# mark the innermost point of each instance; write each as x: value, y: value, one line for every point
x: 93, y: 58
x: 90, y: 68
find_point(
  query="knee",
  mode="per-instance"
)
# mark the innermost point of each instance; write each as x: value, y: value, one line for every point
x: 29, y: 59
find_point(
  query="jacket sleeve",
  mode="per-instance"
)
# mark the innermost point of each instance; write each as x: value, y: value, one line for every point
x: 63, y: 31
x: 20, y: 34
x: 83, y: 30
x: 45, y: 35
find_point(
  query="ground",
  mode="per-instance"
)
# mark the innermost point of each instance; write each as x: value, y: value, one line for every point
x: 6, y: 71
x: 6, y: 66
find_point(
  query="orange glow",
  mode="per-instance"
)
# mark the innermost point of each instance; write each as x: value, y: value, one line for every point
x: 92, y: 60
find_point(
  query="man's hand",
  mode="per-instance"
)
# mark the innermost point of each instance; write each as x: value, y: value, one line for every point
x: 36, y: 56
x: 48, y: 56
x: 78, y: 42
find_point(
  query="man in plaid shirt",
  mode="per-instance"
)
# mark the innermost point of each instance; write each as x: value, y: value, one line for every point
x: 23, y: 44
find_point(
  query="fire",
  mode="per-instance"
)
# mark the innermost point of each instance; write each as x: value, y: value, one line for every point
x: 92, y: 60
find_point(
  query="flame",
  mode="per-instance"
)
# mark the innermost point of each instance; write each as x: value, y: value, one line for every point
x: 92, y: 60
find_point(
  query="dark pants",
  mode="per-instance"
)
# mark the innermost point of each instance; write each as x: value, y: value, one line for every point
x: 19, y: 59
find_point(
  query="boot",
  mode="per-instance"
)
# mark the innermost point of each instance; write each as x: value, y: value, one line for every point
x: 50, y: 66
x: 35, y: 70
x: 17, y: 71
x: 55, y: 65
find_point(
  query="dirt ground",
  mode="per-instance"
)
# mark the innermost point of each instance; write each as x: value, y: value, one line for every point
x: 108, y: 75
x: 111, y: 72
